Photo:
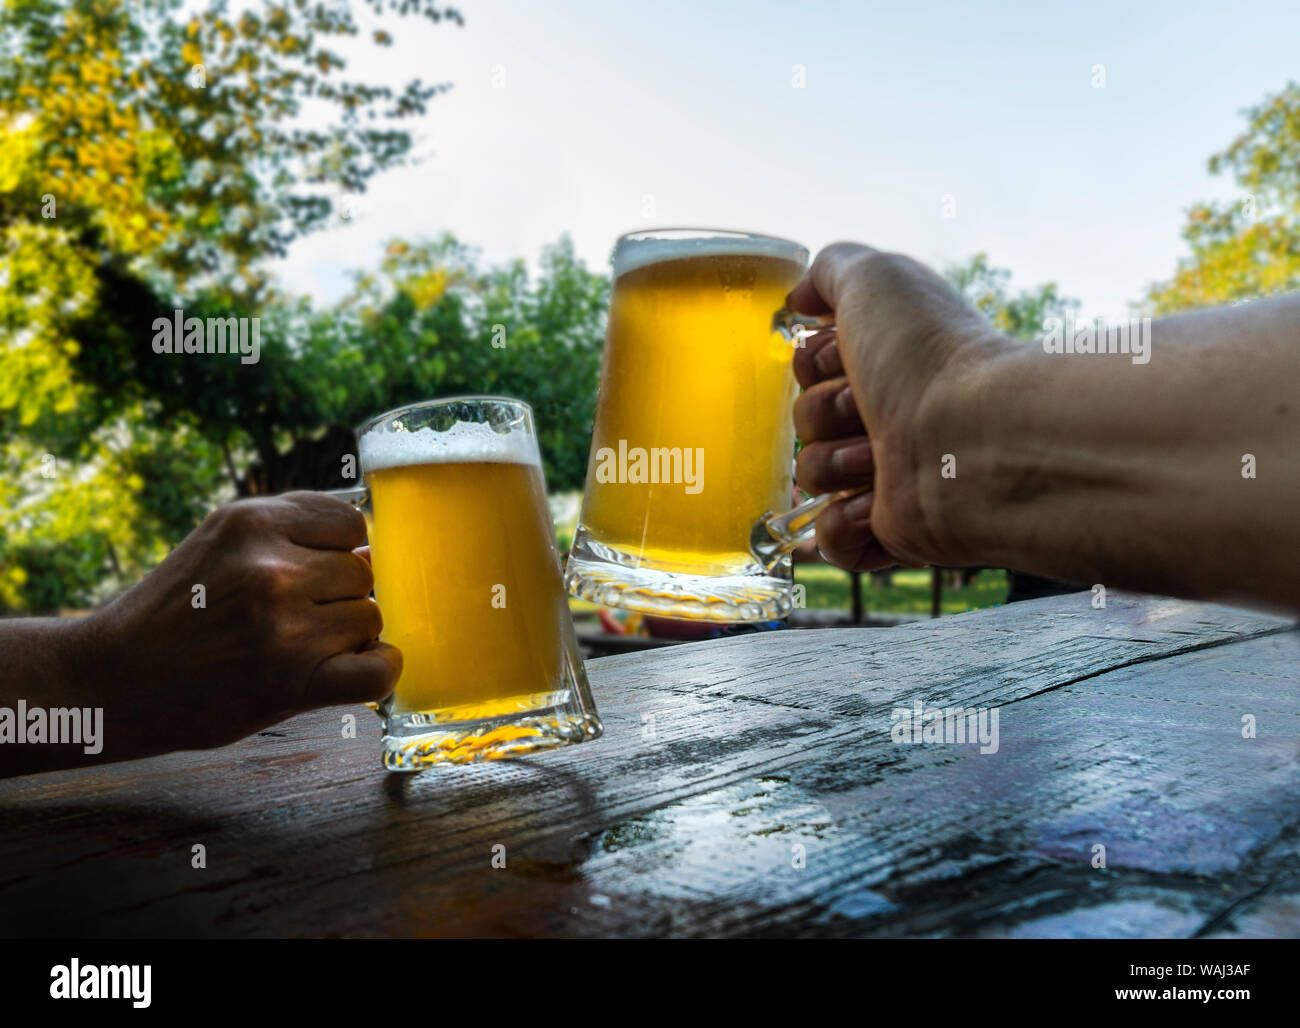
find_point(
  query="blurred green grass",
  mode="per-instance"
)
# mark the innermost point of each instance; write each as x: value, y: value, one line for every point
x: 829, y: 588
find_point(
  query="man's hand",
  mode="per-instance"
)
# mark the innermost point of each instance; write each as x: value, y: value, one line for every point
x: 1175, y: 475
x: 261, y: 613
x: 872, y: 395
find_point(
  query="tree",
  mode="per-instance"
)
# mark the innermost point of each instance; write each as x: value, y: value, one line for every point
x: 1021, y: 314
x: 1250, y: 247
x: 150, y: 157
x: 430, y: 322
x: 180, y: 143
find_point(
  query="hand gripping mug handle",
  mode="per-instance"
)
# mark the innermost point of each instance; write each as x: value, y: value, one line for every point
x: 359, y: 497
x: 775, y: 535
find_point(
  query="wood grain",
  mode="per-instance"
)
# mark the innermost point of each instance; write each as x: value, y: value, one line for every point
x: 722, y: 761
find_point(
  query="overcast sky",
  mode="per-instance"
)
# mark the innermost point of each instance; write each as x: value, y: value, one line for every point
x: 595, y: 118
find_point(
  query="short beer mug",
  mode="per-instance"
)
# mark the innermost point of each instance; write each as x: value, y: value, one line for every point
x: 468, y: 578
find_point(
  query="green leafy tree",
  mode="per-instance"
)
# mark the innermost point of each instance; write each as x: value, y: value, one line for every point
x: 1249, y: 247
x: 151, y: 154
x: 430, y: 322
x: 1018, y: 314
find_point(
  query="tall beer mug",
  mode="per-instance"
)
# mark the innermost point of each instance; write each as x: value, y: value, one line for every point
x: 694, y: 438
x: 468, y: 578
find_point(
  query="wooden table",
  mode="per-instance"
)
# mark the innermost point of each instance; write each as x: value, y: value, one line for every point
x: 745, y: 786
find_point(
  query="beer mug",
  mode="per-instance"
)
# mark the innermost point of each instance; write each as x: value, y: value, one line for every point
x: 694, y: 439
x: 468, y: 578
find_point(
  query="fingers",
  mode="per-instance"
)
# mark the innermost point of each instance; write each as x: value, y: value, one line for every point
x: 844, y: 536
x: 332, y: 575
x: 834, y: 465
x: 309, y: 519
x: 366, y: 675
x: 818, y: 359
x: 820, y: 290
x: 346, y: 625
x: 827, y: 410
x: 322, y: 522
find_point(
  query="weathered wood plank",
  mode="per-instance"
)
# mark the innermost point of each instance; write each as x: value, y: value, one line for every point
x: 1117, y: 727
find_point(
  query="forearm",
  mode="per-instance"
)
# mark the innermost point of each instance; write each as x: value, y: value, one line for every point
x: 1092, y: 468
x: 61, y: 705
x: 39, y: 657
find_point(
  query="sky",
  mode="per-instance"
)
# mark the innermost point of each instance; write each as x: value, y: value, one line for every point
x: 936, y: 129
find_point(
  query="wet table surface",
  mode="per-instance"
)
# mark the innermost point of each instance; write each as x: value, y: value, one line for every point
x: 1146, y: 782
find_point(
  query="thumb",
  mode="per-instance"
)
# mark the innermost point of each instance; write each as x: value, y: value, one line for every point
x: 820, y: 289
x: 364, y: 675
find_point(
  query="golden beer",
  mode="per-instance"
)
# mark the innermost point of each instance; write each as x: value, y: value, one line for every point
x: 491, y: 618
x: 468, y: 579
x: 693, y: 437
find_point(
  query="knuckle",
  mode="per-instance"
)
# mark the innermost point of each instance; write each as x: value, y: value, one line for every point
x: 364, y: 575
x: 356, y: 522
x: 814, y: 410
x: 288, y: 651
x: 803, y: 416
x: 877, y: 266
x: 814, y: 471
x: 841, y: 250
x: 273, y: 578
x: 243, y: 517
x: 339, y: 515
x: 805, y: 468
x: 809, y: 477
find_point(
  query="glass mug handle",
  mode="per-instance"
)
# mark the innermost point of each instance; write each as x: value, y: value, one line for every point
x: 775, y: 535
x: 357, y: 495
x: 359, y: 498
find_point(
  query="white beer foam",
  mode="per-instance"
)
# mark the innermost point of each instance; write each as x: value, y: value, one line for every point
x: 465, y: 442
x: 631, y: 254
